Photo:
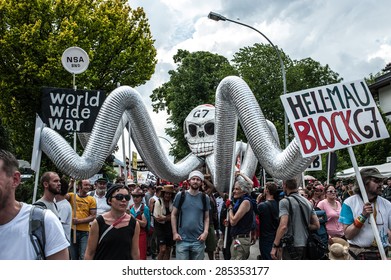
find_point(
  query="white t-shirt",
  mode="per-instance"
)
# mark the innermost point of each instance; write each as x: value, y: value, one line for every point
x: 65, y: 213
x: 101, y: 205
x: 15, y: 239
x: 352, y: 207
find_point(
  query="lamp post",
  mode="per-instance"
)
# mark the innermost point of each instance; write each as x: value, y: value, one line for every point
x: 217, y: 17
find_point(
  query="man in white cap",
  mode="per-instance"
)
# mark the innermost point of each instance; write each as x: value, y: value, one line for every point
x: 190, y: 220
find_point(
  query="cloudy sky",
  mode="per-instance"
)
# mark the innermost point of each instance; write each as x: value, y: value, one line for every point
x: 352, y: 37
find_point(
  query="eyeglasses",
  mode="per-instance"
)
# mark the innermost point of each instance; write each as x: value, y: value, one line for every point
x: 136, y: 196
x: 122, y: 196
x: 331, y: 191
x: 318, y: 190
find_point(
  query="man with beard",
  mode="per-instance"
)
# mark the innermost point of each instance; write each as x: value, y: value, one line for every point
x: 99, y: 195
x: 16, y: 243
x: 51, y: 187
x: 190, y: 220
x: 355, y: 213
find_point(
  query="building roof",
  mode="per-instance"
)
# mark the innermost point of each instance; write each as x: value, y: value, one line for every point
x: 380, y: 82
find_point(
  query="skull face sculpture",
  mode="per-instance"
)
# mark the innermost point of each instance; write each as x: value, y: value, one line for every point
x: 199, y: 129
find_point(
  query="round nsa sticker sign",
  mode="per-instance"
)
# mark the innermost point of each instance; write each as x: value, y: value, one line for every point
x: 75, y: 60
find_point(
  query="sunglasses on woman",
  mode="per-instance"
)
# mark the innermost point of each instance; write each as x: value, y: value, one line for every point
x: 122, y: 196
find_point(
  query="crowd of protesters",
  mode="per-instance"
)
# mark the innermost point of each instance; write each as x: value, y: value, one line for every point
x: 193, y: 220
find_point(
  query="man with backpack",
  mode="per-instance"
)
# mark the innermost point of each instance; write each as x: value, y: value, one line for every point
x: 16, y: 234
x: 190, y: 220
x: 51, y: 184
x: 295, y: 212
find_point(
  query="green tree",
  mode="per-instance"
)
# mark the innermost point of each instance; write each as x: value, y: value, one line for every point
x: 260, y: 67
x: 4, y: 139
x: 193, y: 83
x: 33, y: 36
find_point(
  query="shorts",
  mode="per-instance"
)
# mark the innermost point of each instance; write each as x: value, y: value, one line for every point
x: 211, y: 241
x: 164, y: 234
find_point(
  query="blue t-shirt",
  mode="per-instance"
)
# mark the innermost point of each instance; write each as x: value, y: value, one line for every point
x: 191, y: 217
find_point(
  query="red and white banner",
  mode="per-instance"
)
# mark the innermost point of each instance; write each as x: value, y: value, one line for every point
x: 333, y: 117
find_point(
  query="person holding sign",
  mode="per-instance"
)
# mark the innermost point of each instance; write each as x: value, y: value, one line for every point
x: 355, y: 213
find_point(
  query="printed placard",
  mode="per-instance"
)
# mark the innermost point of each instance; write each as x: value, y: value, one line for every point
x: 68, y: 110
x: 333, y: 117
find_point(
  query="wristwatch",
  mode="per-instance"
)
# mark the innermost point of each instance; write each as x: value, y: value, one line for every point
x: 276, y: 246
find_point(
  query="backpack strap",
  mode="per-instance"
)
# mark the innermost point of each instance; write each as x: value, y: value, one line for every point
x: 37, y: 231
x: 181, y: 200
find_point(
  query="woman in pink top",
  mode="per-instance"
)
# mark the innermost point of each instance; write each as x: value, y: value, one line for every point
x: 332, y: 207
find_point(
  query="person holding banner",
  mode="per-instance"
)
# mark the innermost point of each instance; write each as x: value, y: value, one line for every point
x: 241, y: 217
x: 355, y: 213
x: 84, y: 210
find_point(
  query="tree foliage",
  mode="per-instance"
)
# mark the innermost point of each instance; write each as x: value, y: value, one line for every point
x: 193, y: 83
x: 260, y: 67
x: 33, y: 36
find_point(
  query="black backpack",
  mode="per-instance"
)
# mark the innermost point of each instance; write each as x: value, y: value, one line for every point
x: 37, y: 230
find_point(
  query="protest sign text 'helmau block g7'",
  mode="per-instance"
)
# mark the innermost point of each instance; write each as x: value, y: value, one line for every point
x: 333, y: 117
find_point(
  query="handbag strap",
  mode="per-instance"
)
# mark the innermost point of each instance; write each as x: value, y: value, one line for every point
x: 302, y: 214
x: 290, y: 216
x: 116, y: 222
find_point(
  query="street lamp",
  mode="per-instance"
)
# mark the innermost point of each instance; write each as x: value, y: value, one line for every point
x: 217, y: 17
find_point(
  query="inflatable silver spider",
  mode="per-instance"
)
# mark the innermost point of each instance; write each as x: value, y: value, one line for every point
x: 211, y: 135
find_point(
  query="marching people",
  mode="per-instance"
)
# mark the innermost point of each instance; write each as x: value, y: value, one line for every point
x: 387, y: 189
x: 51, y: 184
x: 84, y: 206
x: 211, y: 240
x: 291, y: 230
x: 190, y: 220
x: 140, y: 211
x: 332, y: 207
x: 114, y: 235
x: 64, y: 209
x: 100, y: 196
x: 268, y: 220
x: 162, y: 214
x: 16, y: 243
x: 317, y: 195
x: 241, y: 217
x: 152, y: 238
x: 355, y: 217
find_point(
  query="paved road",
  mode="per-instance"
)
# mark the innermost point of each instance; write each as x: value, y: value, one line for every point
x: 254, y: 252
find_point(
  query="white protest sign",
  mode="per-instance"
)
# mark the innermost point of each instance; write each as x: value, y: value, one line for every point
x: 333, y: 117
x: 316, y: 164
x: 75, y: 60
